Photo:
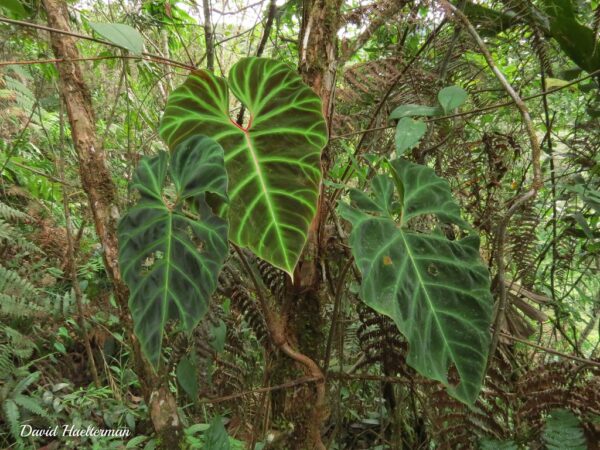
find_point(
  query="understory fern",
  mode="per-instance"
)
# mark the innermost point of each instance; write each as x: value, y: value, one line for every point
x: 563, y: 431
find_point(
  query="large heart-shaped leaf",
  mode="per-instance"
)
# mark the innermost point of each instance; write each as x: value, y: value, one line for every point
x: 435, y: 289
x: 273, y: 163
x: 170, y: 257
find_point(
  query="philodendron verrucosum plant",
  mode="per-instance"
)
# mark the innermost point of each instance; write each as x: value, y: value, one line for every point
x: 265, y: 177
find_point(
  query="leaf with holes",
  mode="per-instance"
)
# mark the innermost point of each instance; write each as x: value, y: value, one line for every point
x: 170, y: 258
x: 273, y: 162
x: 435, y: 289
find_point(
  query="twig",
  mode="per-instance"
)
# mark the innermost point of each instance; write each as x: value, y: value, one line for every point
x: 478, y: 110
x: 289, y: 384
x: 90, y: 38
x: 522, y: 198
x: 71, y: 254
x: 347, y: 171
x: 591, y: 362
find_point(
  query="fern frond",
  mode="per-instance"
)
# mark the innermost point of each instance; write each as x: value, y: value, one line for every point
x: 9, y: 213
x: 13, y: 237
x: 563, y: 431
x: 7, y: 366
x: 11, y: 283
x: 20, y: 345
x: 26, y: 382
x: 12, y: 415
x: 31, y: 405
x: 16, y: 307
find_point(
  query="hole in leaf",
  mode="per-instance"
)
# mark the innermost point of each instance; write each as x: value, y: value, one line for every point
x: 433, y: 270
x: 453, y: 376
x: 150, y: 261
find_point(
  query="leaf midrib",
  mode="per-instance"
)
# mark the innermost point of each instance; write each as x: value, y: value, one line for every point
x: 263, y: 185
x: 429, y: 302
x: 167, y: 270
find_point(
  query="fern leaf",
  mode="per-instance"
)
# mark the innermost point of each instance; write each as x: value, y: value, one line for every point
x: 9, y: 213
x: 31, y: 405
x: 11, y: 411
x: 7, y: 366
x: 11, y: 283
x: 26, y: 382
x: 563, y: 431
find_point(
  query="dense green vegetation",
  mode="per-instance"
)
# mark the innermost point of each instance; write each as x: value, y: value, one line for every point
x: 299, y: 224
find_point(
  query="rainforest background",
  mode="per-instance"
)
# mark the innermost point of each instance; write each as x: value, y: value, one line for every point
x: 277, y: 363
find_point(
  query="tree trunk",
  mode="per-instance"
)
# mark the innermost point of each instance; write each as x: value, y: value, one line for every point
x: 303, y: 303
x: 102, y: 197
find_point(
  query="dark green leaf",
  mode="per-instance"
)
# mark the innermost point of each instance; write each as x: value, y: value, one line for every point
x: 13, y: 8
x: 187, y: 377
x: 273, y: 164
x: 169, y: 259
x: 216, y: 436
x: 435, y: 289
x: 121, y: 35
x: 218, y: 334
x: 576, y: 40
x: 408, y: 134
x: 583, y: 224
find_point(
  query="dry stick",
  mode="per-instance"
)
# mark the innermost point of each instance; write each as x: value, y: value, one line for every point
x: 90, y: 38
x: 521, y: 199
x: 60, y: 168
x: 590, y: 362
x: 277, y: 334
x: 478, y: 110
x: 287, y: 385
x: 93, y: 58
x: 44, y: 174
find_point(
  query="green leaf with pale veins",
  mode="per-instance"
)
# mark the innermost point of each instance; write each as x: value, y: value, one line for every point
x: 171, y: 258
x: 435, y: 289
x: 273, y: 163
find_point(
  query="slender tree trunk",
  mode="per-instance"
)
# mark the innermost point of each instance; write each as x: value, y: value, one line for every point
x: 102, y: 197
x: 303, y: 303
x: 208, y: 36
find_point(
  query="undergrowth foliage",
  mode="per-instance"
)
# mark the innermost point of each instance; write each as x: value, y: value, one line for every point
x: 320, y: 246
